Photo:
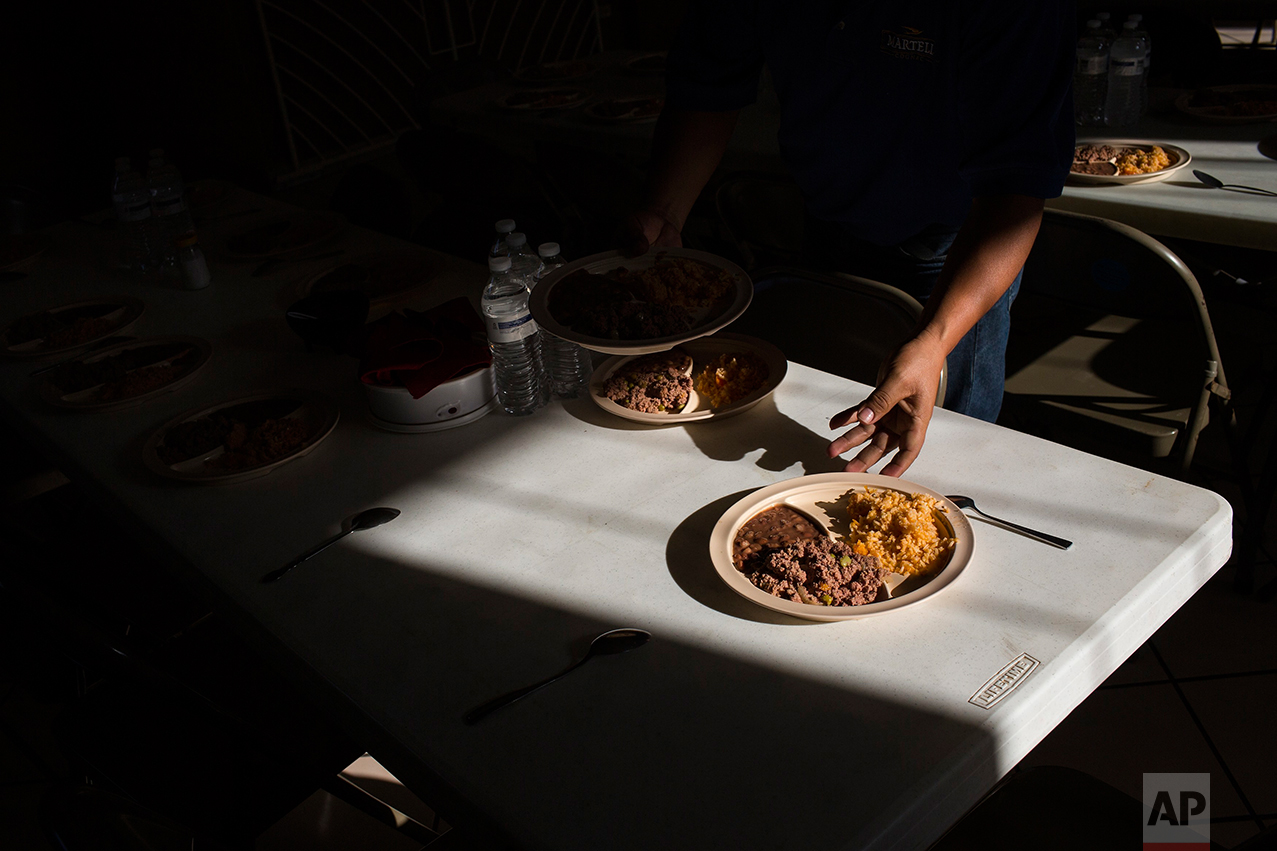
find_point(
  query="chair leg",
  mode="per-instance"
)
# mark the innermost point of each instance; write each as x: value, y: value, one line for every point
x: 340, y: 787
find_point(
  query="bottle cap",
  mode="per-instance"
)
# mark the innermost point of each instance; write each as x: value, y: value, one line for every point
x: 516, y: 239
x: 499, y: 264
x: 187, y: 240
x: 548, y: 249
x: 505, y: 225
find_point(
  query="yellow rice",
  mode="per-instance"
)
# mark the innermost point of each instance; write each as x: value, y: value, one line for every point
x: 730, y: 377
x: 902, y: 530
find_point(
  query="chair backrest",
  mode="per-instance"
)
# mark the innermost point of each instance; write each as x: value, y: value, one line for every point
x: 762, y: 215
x: 1140, y: 307
x: 347, y: 75
x: 831, y: 321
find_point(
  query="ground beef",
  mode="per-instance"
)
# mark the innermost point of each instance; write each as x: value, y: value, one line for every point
x: 820, y: 571
x: 1095, y: 153
x: 653, y: 384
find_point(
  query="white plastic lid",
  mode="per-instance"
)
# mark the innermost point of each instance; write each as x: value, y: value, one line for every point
x: 505, y: 225
x: 548, y: 249
x: 516, y: 239
x: 499, y: 264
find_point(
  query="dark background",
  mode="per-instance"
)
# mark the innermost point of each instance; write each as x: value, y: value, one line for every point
x: 84, y: 84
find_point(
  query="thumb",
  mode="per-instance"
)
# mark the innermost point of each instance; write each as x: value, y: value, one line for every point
x: 882, y: 400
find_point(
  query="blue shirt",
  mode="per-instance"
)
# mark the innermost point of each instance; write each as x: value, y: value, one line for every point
x: 894, y: 115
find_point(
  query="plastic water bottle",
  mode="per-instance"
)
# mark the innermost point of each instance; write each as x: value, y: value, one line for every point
x: 514, y: 340
x: 1090, y: 77
x: 499, y: 248
x: 525, y: 264
x: 1148, y: 59
x: 1106, y: 27
x: 168, y: 208
x: 567, y: 363
x: 1126, y: 69
x: 132, y: 202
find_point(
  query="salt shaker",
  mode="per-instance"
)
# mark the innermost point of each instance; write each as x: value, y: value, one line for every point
x: 194, y: 267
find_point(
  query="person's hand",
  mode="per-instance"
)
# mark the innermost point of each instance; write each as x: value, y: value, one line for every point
x: 897, y: 413
x: 645, y: 229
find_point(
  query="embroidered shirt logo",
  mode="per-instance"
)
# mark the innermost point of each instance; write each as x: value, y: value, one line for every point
x: 908, y: 43
x: 1004, y: 681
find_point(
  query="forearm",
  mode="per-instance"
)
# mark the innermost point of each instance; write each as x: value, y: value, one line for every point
x: 983, y: 262
x: 686, y: 150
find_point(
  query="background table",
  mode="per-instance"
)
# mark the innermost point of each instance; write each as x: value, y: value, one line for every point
x: 521, y: 538
x: 1183, y: 206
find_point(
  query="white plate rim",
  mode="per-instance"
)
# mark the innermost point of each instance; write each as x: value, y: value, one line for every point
x: 51, y: 394
x: 327, y: 409
x: 605, y: 261
x: 777, y: 366
x: 832, y: 485
x: 133, y: 307
x: 1131, y: 179
x: 1181, y: 104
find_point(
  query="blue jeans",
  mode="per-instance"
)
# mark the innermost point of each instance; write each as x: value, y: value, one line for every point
x: 977, y: 365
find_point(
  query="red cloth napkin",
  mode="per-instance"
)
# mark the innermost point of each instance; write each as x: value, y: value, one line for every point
x: 421, y: 350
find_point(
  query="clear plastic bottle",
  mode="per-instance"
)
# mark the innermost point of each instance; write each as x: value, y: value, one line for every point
x: 567, y: 363
x: 1106, y: 27
x: 1126, y: 69
x: 194, y: 266
x: 514, y: 340
x: 1148, y: 58
x: 168, y: 209
x: 499, y: 248
x: 1090, y: 77
x: 132, y: 202
x: 525, y: 263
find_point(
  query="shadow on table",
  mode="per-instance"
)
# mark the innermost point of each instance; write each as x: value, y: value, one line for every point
x: 672, y: 739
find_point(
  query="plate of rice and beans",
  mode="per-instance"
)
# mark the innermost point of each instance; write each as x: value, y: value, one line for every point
x: 709, y: 378
x: 621, y: 305
x: 124, y: 374
x: 841, y: 546
x: 240, y: 439
x: 64, y: 329
x: 1126, y: 161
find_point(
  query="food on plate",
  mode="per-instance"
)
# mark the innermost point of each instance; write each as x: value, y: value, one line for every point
x: 129, y: 373
x: 551, y: 71
x: 781, y: 551
x: 627, y: 108
x: 63, y: 328
x: 1238, y: 103
x: 252, y: 434
x: 731, y: 377
x: 653, y: 384
x: 638, y: 304
x: 1120, y: 159
x: 902, y: 530
x: 543, y: 98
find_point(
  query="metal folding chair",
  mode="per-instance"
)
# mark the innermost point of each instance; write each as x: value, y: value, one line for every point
x: 1112, y: 349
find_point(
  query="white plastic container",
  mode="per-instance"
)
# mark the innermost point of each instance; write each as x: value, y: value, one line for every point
x: 452, y: 403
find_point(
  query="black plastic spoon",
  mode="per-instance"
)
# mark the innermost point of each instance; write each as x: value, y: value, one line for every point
x: 368, y: 519
x: 1215, y: 183
x: 605, y: 644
